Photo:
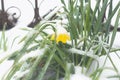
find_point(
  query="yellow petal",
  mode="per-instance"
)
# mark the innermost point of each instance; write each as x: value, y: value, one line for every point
x: 63, y: 38
x: 52, y: 37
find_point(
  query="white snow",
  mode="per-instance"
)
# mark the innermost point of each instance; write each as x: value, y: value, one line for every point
x: 111, y: 71
x: 78, y: 75
x: 4, y: 67
x: 19, y: 74
x: 105, y: 63
x: 25, y: 19
x: 81, y: 52
x: 32, y: 54
x: 116, y: 43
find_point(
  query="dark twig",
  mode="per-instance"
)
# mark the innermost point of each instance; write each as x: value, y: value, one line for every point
x: 37, y: 17
x: 111, y: 26
x: 5, y: 18
x: 2, y: 5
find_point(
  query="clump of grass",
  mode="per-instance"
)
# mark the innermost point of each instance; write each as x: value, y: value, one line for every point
x: 89, y: 37
x: 3, y: 40
x: 91, y: 27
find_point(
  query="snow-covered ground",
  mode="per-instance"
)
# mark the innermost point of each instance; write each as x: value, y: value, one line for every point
x: 26, y: 17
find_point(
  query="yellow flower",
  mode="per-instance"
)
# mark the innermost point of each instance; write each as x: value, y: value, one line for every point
x: 61, y: 34
x: 61, y: 37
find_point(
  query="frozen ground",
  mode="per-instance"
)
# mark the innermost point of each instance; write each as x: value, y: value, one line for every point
x: 26, y: 17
